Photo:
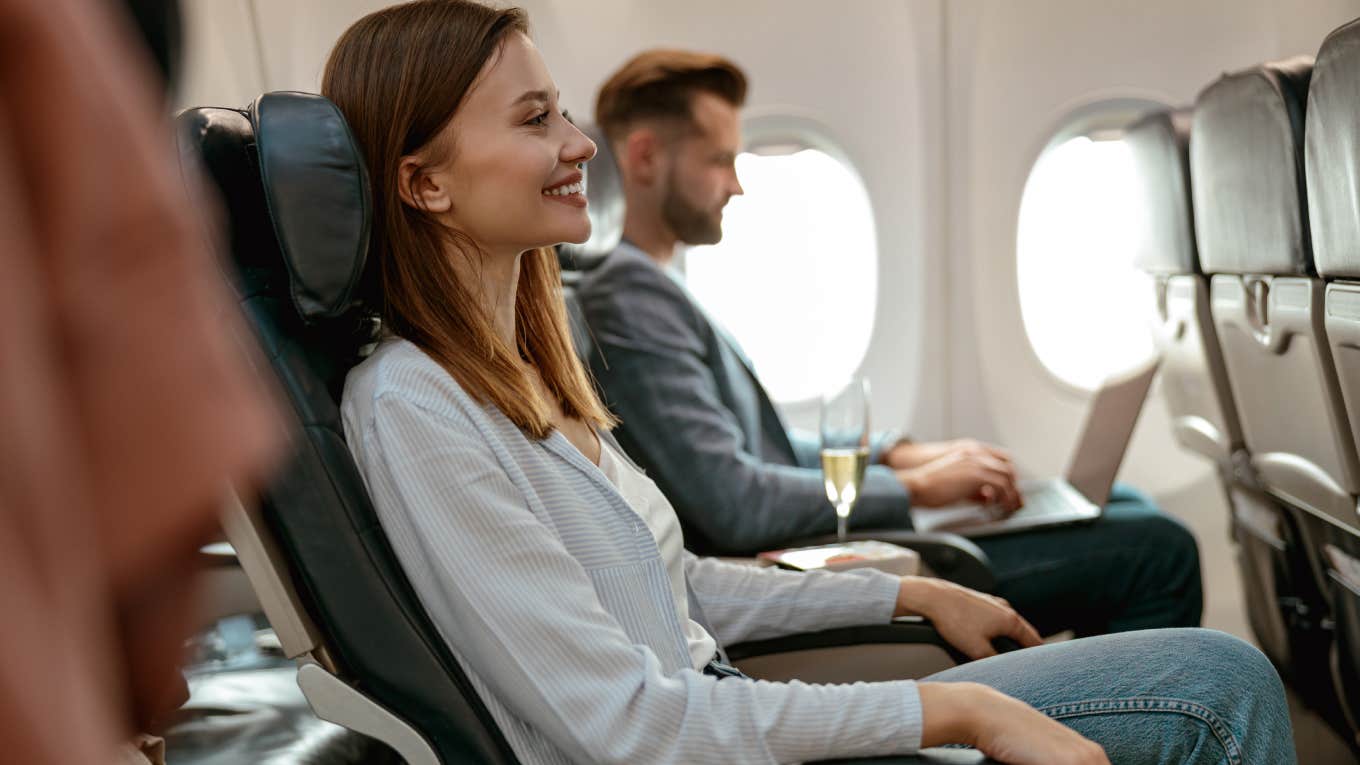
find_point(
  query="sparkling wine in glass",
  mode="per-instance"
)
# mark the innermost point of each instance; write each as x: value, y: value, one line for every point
x: 845, y: 447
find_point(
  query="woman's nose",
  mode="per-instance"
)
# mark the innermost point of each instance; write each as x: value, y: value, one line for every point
x: 579, y: 148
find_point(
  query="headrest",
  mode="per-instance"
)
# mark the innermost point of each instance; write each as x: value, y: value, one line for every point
x: 604, y: 192
x: 1159, y: 145
x: 1246, y: 169
x: 222, y: 143
x: 1332, y: 154
x: 295, y: 189
x: 316, y: 187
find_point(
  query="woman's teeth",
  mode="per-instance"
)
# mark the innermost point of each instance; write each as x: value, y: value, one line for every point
x: 562, y: 191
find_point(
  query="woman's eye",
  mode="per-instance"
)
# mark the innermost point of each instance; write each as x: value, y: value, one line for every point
x: 539, y: 120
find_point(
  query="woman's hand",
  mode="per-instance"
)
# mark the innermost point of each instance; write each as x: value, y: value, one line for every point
x: 966, y: 618
x: 1003, y: 728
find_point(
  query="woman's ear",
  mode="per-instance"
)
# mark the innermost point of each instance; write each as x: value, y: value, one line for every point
x: 420, y: 189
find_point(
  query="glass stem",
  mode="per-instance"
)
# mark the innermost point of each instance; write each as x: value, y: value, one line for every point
x: 842, y: 520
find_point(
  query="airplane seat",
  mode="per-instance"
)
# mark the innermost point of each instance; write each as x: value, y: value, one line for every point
x: 1252, y: 230
x: 1193, y: 378
x: 1250, y: 205
x: 1273, y: 566
x: 297, y: 198
x: 1332, y: 164
x: 289, y: 165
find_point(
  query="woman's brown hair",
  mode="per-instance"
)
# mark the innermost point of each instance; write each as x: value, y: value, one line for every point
x: 399, y: 75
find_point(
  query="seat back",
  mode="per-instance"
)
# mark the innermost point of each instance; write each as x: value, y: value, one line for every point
x: 1273, y: 562
x: 1194, y: 378
x: 1331, y: 156
x: 297, y: 197
x: 604, y: 192
x: 1332, y: 161
x: 1252, y: 227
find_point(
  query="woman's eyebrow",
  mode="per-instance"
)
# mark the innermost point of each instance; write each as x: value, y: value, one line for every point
x: 533, y: 95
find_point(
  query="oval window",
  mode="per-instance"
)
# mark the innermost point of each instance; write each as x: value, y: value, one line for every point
x: 794, y: 278
x: 1086, y: 308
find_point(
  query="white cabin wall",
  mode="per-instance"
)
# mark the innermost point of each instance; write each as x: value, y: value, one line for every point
x: 222, y: 59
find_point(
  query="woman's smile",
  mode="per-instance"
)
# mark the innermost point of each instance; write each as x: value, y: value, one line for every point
x: 571, y: 191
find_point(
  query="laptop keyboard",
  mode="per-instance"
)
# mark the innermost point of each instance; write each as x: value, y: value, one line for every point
x: 1045, y: 500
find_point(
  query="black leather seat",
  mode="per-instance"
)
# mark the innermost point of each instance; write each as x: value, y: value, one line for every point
x: 298, y: 210
x: 305, y: 176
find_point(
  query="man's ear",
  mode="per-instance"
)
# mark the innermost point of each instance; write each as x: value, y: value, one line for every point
x: 641, y: 156
x: 419, y: 189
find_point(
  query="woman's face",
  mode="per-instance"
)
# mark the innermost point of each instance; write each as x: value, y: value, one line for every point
x: 513, y: 181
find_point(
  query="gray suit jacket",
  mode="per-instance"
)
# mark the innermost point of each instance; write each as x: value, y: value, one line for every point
x: 697, y: 419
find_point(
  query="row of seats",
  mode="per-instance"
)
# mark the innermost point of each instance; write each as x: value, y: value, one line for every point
x: 1254, y: 243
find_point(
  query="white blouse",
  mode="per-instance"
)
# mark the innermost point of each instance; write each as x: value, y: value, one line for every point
x: 655, y: 510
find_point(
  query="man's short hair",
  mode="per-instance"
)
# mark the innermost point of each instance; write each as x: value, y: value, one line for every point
x: 661, y: 84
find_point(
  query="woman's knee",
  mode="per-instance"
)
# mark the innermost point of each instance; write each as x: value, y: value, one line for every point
x: 1231, y: 656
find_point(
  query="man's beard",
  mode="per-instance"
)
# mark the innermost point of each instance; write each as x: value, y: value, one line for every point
x: 691, y: 224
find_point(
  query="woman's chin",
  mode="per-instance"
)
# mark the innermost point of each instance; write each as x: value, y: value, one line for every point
x: 577, y: 235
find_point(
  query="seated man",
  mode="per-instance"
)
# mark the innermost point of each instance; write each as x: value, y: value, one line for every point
x: 695, y: 416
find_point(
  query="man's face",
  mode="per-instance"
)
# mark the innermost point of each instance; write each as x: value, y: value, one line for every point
x: 703, y: 171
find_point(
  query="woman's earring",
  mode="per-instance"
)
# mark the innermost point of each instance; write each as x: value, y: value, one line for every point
x: 580, y: 165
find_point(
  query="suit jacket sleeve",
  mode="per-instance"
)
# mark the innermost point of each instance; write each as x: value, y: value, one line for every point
x: 654, y: 369
x: 807, y: 446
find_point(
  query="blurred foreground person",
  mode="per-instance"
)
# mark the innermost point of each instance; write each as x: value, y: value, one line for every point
x: 127, y: 401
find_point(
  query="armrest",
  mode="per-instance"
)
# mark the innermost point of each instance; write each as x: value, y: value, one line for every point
x: 871, y: 653
x: 949, y: 556
x: 906, y: 631
x: 905, y: 649
x: 926, y: 757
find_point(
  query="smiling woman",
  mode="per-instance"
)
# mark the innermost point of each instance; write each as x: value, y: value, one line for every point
x: 442, y: 235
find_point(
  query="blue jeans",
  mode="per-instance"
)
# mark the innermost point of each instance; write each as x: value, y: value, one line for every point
x: 1174, y: 696
x: 1133, y: 568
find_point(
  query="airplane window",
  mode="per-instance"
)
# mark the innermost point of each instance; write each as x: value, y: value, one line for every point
x: 1085, y: 306
x: 795, y: 277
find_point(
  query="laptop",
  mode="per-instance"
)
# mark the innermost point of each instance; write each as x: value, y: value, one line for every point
x: 1081, y: 494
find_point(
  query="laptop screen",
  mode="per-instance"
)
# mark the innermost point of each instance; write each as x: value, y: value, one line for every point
x: 1106, y: 432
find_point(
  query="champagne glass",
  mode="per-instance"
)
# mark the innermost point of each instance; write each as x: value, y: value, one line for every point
x: 845, y: 447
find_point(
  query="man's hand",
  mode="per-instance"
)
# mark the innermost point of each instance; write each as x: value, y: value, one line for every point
x: 972, y: 473
x: 912, y: 454
x: 966, y: 618
x: 1003, y: 728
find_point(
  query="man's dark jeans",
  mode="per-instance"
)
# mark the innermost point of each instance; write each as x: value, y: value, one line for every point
x: 1134, y: 568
